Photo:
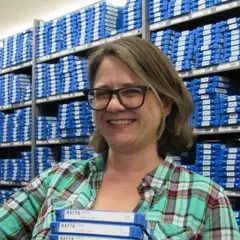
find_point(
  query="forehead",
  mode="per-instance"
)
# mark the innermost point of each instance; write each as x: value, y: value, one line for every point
x: 113, y: 72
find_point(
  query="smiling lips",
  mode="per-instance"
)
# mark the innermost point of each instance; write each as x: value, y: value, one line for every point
x: 120, y: 123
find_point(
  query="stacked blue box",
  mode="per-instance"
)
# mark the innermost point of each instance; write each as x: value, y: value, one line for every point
x: 209, y: 44
x: 18, y: 86
x: 6, y: 194
x: 77, y: 152
x: 164, y: 40
x: 75, y: 120
x: 41, y: 76
x: 25, y: 49
x: 69, y: 30
x: 14, y: 170
x: 46, y: 157
x: 6, y: 126
x: 16, y: 130
x: 53, y: 79
x: 16, y: 126
x: 207, y: 93
x: 178, y: 8
x: 89, y: 224
x: 232, y: 40
x: 132, y: 15
x: 199, y: 5
x: 182, y: 54
x: 27, y: 93
x: 219, y: 162
x: 237, y: 215
x: 83, y: 18
x: 230, y: 110
x: 1, y: 57
x: 52, y: 131
x: 74, y: 73
x: 17, y: 49
x: 5, y: 82
x: 42, y: 40
x: 105, y: 20
x: 27, y: 124
x: 157, y: 10
x: 45, y: 127
x: 56, y: 35
x: 216, y: 2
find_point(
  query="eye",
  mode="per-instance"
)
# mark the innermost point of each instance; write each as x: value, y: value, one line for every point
x: 131, y: 92
x: 101, y: 94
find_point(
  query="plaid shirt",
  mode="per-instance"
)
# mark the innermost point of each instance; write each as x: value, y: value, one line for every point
x: 178, y: 203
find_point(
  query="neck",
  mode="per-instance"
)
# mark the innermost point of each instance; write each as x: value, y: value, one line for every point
x: 133, y: 162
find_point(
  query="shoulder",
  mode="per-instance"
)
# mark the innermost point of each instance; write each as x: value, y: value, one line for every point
x: 71, y: 167
x: 196, y: 184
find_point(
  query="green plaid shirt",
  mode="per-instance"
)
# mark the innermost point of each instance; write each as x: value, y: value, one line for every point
x: 178, y: 203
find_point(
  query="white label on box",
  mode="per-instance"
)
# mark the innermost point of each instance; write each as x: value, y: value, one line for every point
x: 231, y: 174
x: 232, y: 121
x: 206, y: 107
x: 206, y: 102
x: 206, y: 162
x: 232, y: 98
x: 206, y: 118
x: 206, y: 168
x: 232, y: 156
x: 233, y: 26
x: 206, y: 151
x: 232, y: 150
x: 232, y: 104
x: 230, y: 168
x: 229, y: 110
x: 230, y: 185
x: 205, y: 85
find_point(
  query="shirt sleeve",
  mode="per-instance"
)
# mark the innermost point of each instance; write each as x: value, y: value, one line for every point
x: 19, y: 214
x: 221, y: 223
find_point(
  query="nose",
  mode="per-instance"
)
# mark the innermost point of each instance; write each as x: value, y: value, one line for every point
x: 114, y: 105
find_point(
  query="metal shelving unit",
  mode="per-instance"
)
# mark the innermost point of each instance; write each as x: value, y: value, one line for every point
x: 225, y: 67
x: 15, y: 68
x: 145, y: 33
x: 62, y: 141
x: 88, y: 46
x: 207, y: 12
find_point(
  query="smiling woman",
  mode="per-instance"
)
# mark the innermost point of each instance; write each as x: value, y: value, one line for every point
x: 141, y: 109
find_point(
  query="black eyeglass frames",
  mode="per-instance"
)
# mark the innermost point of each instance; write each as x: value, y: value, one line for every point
x: 129, y: 97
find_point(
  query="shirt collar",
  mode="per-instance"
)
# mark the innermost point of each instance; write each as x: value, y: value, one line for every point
x: 154, y: 179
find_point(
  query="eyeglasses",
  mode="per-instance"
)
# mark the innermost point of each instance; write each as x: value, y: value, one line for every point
x: 129, y: 97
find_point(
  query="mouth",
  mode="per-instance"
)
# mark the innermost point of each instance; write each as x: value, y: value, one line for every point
x: 119, y: 123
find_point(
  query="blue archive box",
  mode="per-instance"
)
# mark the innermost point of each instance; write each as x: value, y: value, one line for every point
x: 112, y: 219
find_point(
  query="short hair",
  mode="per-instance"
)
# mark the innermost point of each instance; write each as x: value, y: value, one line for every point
x: 153, y: 67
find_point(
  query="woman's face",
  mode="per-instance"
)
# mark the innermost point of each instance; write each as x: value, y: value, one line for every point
x: 121, y: 127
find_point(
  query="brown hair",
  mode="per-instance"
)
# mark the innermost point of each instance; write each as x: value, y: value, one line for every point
x: 151, y: 66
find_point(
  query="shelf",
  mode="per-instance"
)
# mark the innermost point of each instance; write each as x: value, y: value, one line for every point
x: 16, y: 144
x: 12, y: 183
x: 63, y: 141
x: 15, y: 106
x: 211, y: 69
x: 17, y: 67
x: 217, y: 130
x: 87, y: 46
x: 233, y: 193
x: 195, y: 15
x: 59, y: 97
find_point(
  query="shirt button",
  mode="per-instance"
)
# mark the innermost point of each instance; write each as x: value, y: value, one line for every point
x: 144, y: 184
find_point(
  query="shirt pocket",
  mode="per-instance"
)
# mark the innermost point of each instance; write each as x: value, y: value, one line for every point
x: 173, y: 232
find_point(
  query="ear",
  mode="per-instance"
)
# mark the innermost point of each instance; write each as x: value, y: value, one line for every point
x: 167, y: 107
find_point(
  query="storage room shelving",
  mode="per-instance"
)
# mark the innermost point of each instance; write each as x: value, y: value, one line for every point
x: 42, y: 106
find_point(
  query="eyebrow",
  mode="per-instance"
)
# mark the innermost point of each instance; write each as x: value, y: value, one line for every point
x: 122, y: 85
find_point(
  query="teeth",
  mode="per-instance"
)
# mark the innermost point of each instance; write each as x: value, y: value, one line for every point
x: 119, y: 122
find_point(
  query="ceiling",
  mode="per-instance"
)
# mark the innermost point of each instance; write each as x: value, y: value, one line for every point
x: 18, y: 15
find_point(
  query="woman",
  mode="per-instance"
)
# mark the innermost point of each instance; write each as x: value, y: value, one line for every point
x: 141, y: 112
